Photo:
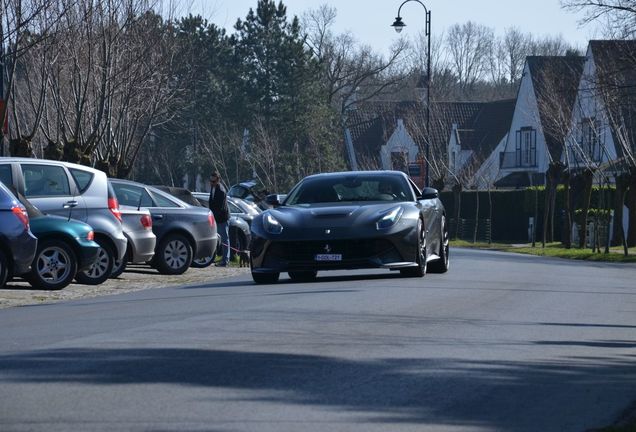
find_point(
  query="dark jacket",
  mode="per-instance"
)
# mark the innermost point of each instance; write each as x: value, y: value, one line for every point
x: 218, y: 205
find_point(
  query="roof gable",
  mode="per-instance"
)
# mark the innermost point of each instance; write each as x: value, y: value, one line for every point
x: 555, y: 81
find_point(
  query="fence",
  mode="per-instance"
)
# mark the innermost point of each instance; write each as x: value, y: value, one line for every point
x: 465, y: 229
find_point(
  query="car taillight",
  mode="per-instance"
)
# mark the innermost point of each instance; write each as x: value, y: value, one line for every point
x: 211, y: 219
x: 21, y: 214
x: 90, y: 236
x: 113, y: 206
x: 146, y: 221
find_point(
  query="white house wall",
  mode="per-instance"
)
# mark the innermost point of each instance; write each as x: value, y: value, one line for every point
x: 587, y: 105
x: 399, y: 142
x: 526, y: 114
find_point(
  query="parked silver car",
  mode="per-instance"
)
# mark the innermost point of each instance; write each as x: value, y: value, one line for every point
x: 184, y: 232
x: 137, y: 225
x: 78, y: 192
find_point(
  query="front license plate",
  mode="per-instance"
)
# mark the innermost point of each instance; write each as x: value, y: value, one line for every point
x: 328, y: 257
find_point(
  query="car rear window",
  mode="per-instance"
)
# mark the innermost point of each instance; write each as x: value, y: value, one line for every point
x: 163, y: 201
x: 130, y: 195
x: 82, y: 178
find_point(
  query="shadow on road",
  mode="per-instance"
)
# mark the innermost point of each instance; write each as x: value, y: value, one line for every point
x: 420, y: 391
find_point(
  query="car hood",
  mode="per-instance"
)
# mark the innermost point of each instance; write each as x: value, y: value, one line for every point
x: 339, y: 220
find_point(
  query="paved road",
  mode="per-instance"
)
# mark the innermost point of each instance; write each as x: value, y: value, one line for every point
x: 501, y: 342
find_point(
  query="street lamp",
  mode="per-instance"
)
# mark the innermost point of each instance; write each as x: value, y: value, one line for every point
x: 398, y: 25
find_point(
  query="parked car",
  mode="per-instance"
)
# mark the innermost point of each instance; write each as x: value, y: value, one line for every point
x: 17, y: 243
x: 238, y: 207
x: 77, y: 192
x: 184, y: 232
x: 238, y: 225
x: 351, y: 220
x: 137, y: 226
x: 251, y: 191
x: 65, y: 246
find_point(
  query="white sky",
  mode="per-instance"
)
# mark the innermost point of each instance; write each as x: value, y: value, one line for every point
x: 370, y: 20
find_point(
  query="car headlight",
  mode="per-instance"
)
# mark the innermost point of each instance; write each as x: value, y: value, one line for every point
x: 389, y: 218
x: 272, y: 225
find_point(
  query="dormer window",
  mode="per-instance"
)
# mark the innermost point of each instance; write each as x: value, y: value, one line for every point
x: 590, y: 140
x: 526, y: 147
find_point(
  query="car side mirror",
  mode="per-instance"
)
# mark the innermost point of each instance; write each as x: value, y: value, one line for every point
x: 429, y: 193
x: 274, y: 200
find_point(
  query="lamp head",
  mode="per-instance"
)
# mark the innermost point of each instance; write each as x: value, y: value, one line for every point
x: 398, y: 24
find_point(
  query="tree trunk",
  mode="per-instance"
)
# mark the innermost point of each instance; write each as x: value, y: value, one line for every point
x: 587, y: 178
x: 547, y: 194
x: 631, y: 205
x: 567, y: 231
x: 622, y: 183
x: 457, y: 197
x: 476, y: 217
x: 21, y: 147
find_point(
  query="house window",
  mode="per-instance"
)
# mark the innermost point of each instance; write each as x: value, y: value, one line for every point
x: 526, y: 147
x: 590, y: 141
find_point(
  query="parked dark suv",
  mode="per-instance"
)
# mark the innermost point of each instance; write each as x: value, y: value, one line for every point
x: 184, y: 232
x: 17, y: 243
x: 77, y: 192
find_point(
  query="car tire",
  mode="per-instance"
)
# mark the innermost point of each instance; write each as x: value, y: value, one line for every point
x: 119, y: 266
x: 4, y: 269
x: 174, y: 255
x: 265, y: 278
x: 302, y: 276
x: 442, y: 264
x: 101, y: 269
x: 54, y: 266
x: 420, y: 259
x: 203, y: 262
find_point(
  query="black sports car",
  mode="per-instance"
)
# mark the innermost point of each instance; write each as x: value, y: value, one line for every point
x: 350, y: 220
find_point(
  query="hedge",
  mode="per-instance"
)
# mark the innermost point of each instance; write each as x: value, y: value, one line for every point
x: 512, y: 209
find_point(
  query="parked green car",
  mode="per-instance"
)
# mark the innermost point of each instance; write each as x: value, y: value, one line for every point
x: 65, y: 246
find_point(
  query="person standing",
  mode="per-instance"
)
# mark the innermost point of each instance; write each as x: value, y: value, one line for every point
x: 218, y: 205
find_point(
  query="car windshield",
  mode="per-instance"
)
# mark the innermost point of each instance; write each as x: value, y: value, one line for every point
x: 350, y: 188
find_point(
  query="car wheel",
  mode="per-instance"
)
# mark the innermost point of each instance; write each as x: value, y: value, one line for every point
x: 54, y: 266
x: 203, y: 262
x: 174, y: 255
x: 442, y: 264
x: 4, y: 269
x: 119, y: 266
x: 302, y: 276
x: 265, y: 278
x: 420, y: 259
x: 101, y: 269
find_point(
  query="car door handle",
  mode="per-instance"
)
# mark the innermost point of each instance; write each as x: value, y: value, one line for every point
x: 70, y: 204
x: 157, y: 217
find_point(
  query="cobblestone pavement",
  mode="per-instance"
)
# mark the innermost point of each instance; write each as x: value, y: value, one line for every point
x: 135, y: 278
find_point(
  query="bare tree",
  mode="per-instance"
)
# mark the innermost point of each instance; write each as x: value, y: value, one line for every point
x: 110, y: 84
x: 353, y: 73
x: 469, y: 45
x: 620, y: 15
x: 25, y: 24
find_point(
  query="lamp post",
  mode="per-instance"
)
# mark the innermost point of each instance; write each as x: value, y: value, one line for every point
x: 398, y: 25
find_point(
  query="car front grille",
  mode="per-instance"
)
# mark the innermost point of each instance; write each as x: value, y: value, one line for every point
x: 355, y: 249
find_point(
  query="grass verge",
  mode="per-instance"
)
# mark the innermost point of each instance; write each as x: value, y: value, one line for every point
x: 554, y: 250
